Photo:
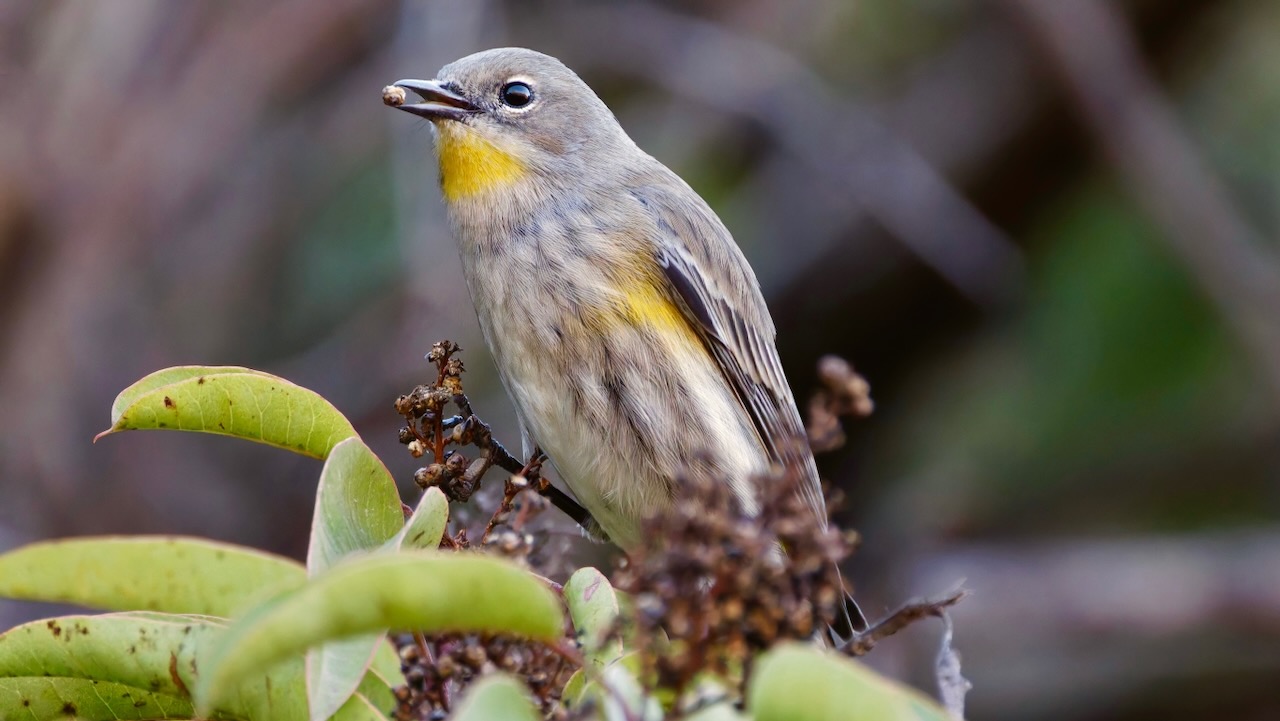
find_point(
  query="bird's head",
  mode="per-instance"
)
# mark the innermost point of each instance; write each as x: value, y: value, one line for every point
x: 504, y: 114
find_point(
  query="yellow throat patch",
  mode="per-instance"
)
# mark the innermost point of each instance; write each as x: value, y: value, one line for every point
x: 470, y: 164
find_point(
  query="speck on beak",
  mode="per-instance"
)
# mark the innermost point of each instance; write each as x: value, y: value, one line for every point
x: 440, y: 103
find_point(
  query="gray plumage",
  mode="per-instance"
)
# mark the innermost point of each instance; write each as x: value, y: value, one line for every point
x: 627, y: 326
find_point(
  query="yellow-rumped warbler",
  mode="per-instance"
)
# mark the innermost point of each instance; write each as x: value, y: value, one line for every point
x: 626, y: 324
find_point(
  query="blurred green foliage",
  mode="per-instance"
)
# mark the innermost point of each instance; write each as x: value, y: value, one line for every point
x: 346, y: 254
x: 1116, y: 361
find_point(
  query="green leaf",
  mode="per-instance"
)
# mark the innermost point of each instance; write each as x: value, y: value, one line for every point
x: 157, y: 652
x: 426, y: 526
x: 160, y: 573
x: 794, y: 682
x: 423, y: 590
x: 361, y: 708
x: 235, y: 402
x: 357, y: 511
x: 159, y: 379
x: 50, y: 699
x: 626, y: 698
x: 357, y: 506
x: 375, y: 697
x: 373, y: 691
x: 616, y: 691
x: 585, y: 685
x: 423, y: 530
x: 497, y: 696
x: 573, y: 688
x: 335, y: 670
x: 593, y: 607
x: 386, y: 666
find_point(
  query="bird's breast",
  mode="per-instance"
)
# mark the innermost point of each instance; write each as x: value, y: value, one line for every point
x: 605, y: 370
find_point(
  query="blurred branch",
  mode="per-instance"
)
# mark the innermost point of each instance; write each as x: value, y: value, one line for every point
x: 1112, y: 616
x: 119, y: 148
x: 1142, y: 585
x: 906, y: 614
x: 952, y: 685
x: 965, y: 103
x: 985, y: 82
x: 1090, y: 47
x: 847, y: 150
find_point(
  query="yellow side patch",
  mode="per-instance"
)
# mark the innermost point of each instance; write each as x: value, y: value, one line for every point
x: 645, y: 305
x: 642, y: 304
x: 469, y: 164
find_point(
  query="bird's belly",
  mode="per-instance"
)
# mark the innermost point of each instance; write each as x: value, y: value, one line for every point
x: 623, y: 411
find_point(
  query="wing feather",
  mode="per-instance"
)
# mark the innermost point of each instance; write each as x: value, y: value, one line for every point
x: 730, y: 314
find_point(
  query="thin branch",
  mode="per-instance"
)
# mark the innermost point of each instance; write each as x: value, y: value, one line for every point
x: 843, y: 146
x: 907, y: 614
x: 427, y: 429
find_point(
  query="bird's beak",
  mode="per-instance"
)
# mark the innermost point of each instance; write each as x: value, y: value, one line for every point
x: 441, y: 103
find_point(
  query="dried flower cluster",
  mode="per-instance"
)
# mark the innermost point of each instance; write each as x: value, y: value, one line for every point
x: 713, y: 588
x: 439, y: 668
x: 428, y: 429
x: 717, y: 582
x: 843, y: 393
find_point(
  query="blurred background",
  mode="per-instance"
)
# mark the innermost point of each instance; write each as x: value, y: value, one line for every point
x: 1045, y: 231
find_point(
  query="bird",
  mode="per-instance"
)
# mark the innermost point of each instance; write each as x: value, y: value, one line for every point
x: 627, y: 326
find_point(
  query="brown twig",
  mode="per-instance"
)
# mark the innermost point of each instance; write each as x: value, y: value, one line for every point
x: 513, y: 487
x: 427, y: 428
x: 907, y: 614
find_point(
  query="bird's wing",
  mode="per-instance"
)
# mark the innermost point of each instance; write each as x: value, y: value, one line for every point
x: 730, y: 314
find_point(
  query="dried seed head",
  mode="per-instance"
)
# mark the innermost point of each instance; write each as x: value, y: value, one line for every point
x: 714, y: 580
x: 393, y: 96
x: 430, y: 476
x: 460, y: 434
x: 455, y: 464
x: 456, y: 661
x: 417, y: 448
x: 451, y: 662
x: 404, y: 405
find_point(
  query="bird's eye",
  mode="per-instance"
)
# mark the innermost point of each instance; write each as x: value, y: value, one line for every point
x: 516, y: 95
